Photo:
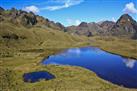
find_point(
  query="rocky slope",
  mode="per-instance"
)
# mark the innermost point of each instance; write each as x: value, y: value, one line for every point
x: 125, y: 26
x: 91, y: 29
x: 107, y: 25
x: 87, y: 29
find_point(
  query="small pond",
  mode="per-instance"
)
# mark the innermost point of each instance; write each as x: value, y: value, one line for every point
x: 37, y: 76
x: 114, y: 68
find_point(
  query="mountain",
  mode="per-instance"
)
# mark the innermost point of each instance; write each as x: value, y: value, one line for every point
x: 91, y: 29
x: 125, y: 26
x: 19, y: 17
x: 22, y: 30
x: 88, y: 29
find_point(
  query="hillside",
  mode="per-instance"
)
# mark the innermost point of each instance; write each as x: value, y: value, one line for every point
x: 27, y: 19
x: 22, y: 30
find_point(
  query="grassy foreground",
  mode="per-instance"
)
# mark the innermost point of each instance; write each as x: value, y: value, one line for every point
x: 68, y: 78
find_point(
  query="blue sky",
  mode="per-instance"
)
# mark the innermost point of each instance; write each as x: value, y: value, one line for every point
x: 72, y: 12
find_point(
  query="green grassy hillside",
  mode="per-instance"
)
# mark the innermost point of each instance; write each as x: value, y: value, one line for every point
x: 13, y: 38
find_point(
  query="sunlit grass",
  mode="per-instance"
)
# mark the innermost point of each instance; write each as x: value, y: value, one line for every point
x: 122, y: 46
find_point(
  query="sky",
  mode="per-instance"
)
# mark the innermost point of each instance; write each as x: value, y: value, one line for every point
x: 73, y: 12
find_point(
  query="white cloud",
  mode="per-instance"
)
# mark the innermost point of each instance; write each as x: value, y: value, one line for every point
x: 65, y: 4
x: 73, y: 22
x: 130, y: 8
x: 113, y: 19
x: 32, y: 8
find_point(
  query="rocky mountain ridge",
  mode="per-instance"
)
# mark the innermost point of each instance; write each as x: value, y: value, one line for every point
x: 125, y: 26
x: 27, y: 19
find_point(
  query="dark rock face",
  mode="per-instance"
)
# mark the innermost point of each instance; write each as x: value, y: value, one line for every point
x: 27, y: 19
x: 125, y: 26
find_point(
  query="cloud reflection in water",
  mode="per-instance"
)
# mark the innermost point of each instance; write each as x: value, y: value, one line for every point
x: 129, y: 62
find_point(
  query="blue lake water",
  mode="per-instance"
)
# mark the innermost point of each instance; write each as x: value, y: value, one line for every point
x: 36, y: 76
x: 114, y: 68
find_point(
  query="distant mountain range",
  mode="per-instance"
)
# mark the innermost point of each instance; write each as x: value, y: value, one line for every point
x: 126, y: 26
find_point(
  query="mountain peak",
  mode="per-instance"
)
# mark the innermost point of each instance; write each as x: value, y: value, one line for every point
x: 125, y: 19
x: 125, y: 25
x: 125, y: 15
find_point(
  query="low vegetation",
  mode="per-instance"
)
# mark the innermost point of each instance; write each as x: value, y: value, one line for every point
x: 117, y: 45
x: 23, y: 49
x: 68, y: 78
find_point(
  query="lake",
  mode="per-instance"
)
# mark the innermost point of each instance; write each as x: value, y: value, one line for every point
x: 37, y: 76
x: 113, y: 68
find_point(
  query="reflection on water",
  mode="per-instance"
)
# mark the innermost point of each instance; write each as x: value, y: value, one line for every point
x: 111, y: 67
x: 76, y: 51
x: 129, y: 62
x: 72, y: 52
